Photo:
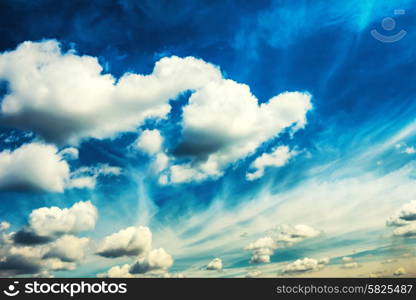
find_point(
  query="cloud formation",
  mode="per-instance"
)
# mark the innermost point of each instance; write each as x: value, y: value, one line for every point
x: 156, y: 260
x: 286, y: 235
x: 131, y: 241
x: 222, y: 122
x: 277, y: 158
x: 33, y: 167
x: 261, y: 250
x: 48, y: 223
x: 71, y: 92
x: 405, y: 220
x: 215, y: 264
x: 150, y: 141
x: 305, y: 265
x: 48, y: 242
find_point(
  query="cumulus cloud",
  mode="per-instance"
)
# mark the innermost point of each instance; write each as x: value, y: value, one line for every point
x: 40, y: 167
x: 277, y: 158
x: 304, y: 265
x: 117, y: 272
x: 71, y: 92
x: 215, y: 264
x: 261, y: 250
x: 68, y: 248
x: 406, y: 230
x: 405, y: 220
x: 222, y: 122
x: 48, y: 223
x: 157, y: 260
x: 64, y: 253
x: 286, y: 235
x: 150, y: 141
x: 33, y: 167
x: 131, y: 241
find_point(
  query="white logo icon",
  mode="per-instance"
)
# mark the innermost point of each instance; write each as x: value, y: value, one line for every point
x: 11, y: 291
x: 389, y: 24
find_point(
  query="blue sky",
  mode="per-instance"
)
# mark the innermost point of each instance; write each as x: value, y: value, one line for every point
x: 207, y: 138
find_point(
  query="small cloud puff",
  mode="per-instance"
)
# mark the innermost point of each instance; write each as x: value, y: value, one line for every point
x: 305, y: 265
x: 277, y: 158
x: 215, y: 264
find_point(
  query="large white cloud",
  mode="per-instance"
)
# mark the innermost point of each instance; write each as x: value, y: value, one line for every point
x: 49, y: 223
x: 404, y: 216
x: 56, y: 254
x: 64, y: 97
x: 40, y: 167
x: 222, y: 123
x: 33, y: 167
x: 131, y: 241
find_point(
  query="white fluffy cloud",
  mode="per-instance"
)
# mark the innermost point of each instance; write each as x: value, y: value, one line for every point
x: 277, y: 158
x: 304, y: 265
x: 131, y: 241
x: 40, y: 167
x: 71, y: 92
x: 31, y: 167
x: 405, y: 220
x: 215, y: 264
x: 222, y: 123
x: 404, y: 216
x: 157, y: 260
x: 261, y: 250
x: 286, y: 235
x: 68, y: 248
x: 53, y: 221
x: 150, y: 141
x: 57, y: 251
x: 117, y: 272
